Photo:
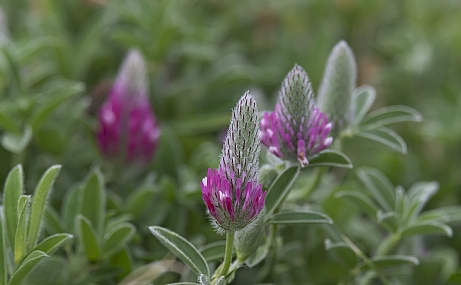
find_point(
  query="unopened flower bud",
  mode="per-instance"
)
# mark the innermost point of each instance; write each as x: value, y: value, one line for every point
x: 128, y: 129
x: 297, y: 129
x: 338, y: 83
x: 232, y: 193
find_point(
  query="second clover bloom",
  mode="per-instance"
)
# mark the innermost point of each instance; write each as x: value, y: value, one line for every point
x: 297, y: 129
x: 128, y: 129
x: 232, y: 193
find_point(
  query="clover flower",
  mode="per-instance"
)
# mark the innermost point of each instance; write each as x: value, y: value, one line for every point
x: 232, y: 193
x: 128, y: 129
x: 297, y: 129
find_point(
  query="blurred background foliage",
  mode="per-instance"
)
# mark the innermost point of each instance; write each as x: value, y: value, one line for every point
x: 202, y: 56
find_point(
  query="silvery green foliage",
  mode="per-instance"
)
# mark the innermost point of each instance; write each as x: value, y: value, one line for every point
x: 241, y: 149
x: 203, y: 280
x: 338, y: 83
x: 247, y: 240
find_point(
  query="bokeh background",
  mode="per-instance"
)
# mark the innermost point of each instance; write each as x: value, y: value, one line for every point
x: 202, y: 56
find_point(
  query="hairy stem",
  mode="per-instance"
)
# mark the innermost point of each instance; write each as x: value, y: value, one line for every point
x: 227, y: 254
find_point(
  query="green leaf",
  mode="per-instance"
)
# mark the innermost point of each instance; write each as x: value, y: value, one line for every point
x: 390, y: 115
x: 39, y: 199
x: 341, y: 253
x: 70, y: 207
x: 379, y: 186
x: 139, y: 200
x: 17, y: 142
x: 183, y: 249
x: 7, y: 122
x: 426, y: 228
x: 93, y: 200
x: 214, y: 251
x: 20, y: 239
x: 300, y: 217
x: 122, y: 260
x: 418, y: 195
x: 385, y: 136
x: 280, y: 189
x: 389, y: 219
x: 3, y: 251
x: 363, y: 97
x: 52, y: 243
x: 436, y: 215
x: 47, y: 109
x: 382, y: 262
x: 27, y: 265
x: 330, y: 157
x: 11, y: 193
x: 360, y: 200
x: 88, y: 238
x: 453, y: 212
x: 14, y: 72
x: 117, y: 238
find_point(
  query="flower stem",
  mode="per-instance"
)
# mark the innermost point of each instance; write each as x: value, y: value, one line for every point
x: 227, y: 253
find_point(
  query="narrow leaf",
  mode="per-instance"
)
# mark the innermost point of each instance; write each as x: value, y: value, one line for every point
x: 385, y: 136
x: 300, y: 217
x: 93, y: 200
x: 390, y: 115
x: 280, y: 189
x: 11, y: 193
x: 20, y: 239
x: 39, y: 199
x: 183, y: 249
x: 382, y: 262
x: 56, y: 99
x: 341, y: 253
x: 139, y: 200
x: 19, y: 274
x: 360, y: 200
x: 52, y: 243
x: 363, y: 97
x: 379, y: 186
x: 3, y: 251
x: 330, y: 157
x: 117, y: 238
x: 214, y: 251
x: 88, y: 238
x: 17, y: 142
x: 418, y: 195
x: 390, y: 220
x: 426, y: 228
x: 70, y: 207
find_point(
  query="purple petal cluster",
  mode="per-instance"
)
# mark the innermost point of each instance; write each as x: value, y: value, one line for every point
x: 128, y: 129
x: 297, y: 129
x: 232, y: 206
x: 232, y: 193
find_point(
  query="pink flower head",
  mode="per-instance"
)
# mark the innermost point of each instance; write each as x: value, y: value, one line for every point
x: 232, y: 193
x: 297, y: 129
x: 128, y: 129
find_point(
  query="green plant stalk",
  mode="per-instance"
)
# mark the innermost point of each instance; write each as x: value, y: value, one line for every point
x: 388, y: 244
x: 227, y: 254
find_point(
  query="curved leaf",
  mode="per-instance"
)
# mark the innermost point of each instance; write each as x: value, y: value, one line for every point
x: 39, y: 199
x: 183, y: 249
x: 280, y: 189
x: 300, y: 217
x: 117, y: 238
x: 11, y: 193
x: 88, y: 238
x: 385, y: 136
x: 93, y: 199
x: 382, y: 262
x: 426, y: 228
x: 360, y: 200
x: 379, y: 186
x: 32, y: 260
x: 363, y: 97
x: 52, y: 243
x: 390, y: 115
x: 330, y: 157
x: 20, y: 239
x: 17, y: 142
x: 213, y: 251
x: 341, y: 253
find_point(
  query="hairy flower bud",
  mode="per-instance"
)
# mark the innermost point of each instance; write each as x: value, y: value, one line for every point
x: 338, y: 83
x: 296, y: 130
x: 128, y: 129
x: 232, y: 193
